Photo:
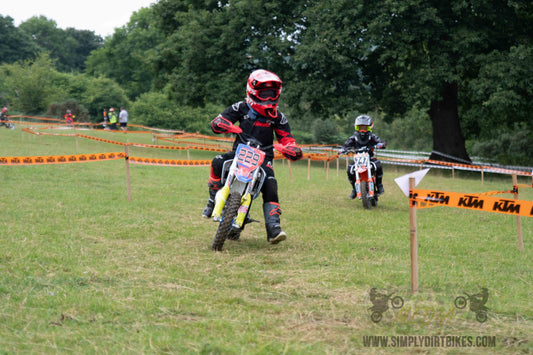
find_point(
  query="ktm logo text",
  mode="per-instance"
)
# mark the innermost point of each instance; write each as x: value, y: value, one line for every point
x: 437, y: 197
x: 470, y: 202
x: 506, y: 206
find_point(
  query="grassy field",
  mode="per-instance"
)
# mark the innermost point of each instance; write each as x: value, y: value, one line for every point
x: 84, y: 270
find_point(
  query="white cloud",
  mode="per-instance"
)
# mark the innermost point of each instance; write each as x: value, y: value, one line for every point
x: 100, y: 16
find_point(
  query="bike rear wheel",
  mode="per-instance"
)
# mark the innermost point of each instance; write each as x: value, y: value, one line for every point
x: 228, y: 215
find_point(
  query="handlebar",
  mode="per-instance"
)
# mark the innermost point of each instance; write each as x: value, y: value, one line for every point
x: 363, y: 149
x: 252, y: 141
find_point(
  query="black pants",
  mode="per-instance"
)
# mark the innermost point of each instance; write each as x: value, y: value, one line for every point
x: 270, y: 187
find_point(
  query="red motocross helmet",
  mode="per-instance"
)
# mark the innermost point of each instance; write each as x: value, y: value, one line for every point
x: 262, y: 92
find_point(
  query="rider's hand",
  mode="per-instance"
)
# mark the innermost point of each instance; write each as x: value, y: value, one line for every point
x: 222, y: 125
x: 289, y: 151
x: 381, y: 145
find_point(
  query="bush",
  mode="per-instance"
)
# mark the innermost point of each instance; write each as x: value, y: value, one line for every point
x: 510, y: 147
x: 411, y: 132
x: 154, y: 109
x: 78, y: 110
x: 327, y: 132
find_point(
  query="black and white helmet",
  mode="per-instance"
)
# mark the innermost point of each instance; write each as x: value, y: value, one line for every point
x: 363, y: 123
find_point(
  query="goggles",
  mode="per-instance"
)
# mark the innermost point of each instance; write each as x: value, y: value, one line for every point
x: 363, y: 128
x: 268, y: 94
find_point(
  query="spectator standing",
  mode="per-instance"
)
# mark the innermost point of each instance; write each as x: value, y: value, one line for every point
x: 112, y: 118
x: 106, y: 119
x: 123, y: 119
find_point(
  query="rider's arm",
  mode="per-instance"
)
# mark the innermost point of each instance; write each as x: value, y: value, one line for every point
x: 349, y: 144
x: 378, y: 142
x: 288, y: 146
x: 225, y: 122
x: 223, y: 125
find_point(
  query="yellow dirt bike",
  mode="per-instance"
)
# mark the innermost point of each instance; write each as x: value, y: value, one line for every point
x: 242, y: 178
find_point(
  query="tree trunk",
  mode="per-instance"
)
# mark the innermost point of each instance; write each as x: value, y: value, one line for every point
x: 448, y: 140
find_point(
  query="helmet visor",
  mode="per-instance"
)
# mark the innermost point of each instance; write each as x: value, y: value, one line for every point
x: 268, y: 94
x: 363, y: 128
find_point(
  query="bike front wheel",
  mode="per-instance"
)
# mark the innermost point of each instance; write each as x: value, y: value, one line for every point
x: 364, y: 194
x: 228, y: 215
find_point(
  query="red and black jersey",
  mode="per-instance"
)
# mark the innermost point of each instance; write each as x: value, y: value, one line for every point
x: 260, y: 127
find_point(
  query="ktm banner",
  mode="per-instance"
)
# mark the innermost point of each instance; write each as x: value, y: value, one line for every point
x: 60, y: 159
x: 479, y: 202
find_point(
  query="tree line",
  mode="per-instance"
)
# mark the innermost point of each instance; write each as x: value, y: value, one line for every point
x: 452, y: 77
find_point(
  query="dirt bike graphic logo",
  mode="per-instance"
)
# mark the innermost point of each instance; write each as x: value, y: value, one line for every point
x: 380, y: 303
x: 477, y: 304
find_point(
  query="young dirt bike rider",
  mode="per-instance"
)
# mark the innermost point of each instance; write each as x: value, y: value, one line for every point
x: 363, y: 137
x: 258, y: 117
x: 4, y: 118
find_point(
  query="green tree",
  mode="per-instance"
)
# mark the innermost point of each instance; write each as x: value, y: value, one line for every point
x: 211, y: 47
x: 127, y: 55
x: 413, y: 54
x: 15, y: 44
x: 427, y: 52
x: 69, y: 48
x: 30, y: 84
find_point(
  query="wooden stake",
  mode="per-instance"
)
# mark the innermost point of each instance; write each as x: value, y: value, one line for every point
x: 518, y: 220
x: 290, y: 169
x: 414, y: 245
x: 128, y: 172
x: 308, y: 168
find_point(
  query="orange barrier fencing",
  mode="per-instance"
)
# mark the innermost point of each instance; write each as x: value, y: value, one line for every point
x: 479, y: 202
x: 60, y: 159
x: 180, y: 137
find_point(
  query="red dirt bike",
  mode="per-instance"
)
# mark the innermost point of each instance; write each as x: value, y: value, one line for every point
x: 242, y: 178
x: 364, y: 170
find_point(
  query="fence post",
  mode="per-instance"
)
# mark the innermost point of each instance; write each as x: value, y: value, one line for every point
x: 518, y: 220
x: 128, y: 171
x: 414, y: 244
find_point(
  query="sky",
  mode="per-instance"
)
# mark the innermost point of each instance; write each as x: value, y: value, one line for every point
x: 100, y: 16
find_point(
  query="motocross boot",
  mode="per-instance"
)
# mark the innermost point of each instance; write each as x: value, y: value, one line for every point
x: 272, y: 211
x: 351, y: 179
x: 354, y: 192
x: 379, y: 177
x: 208, y: 210
x: 379, y: 185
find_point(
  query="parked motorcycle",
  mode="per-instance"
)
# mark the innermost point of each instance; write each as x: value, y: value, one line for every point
x: 242, y: 178
x: 364, y: 170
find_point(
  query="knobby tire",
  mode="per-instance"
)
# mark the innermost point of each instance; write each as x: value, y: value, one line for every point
x: 229, y: 213
x: 364, y: 194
